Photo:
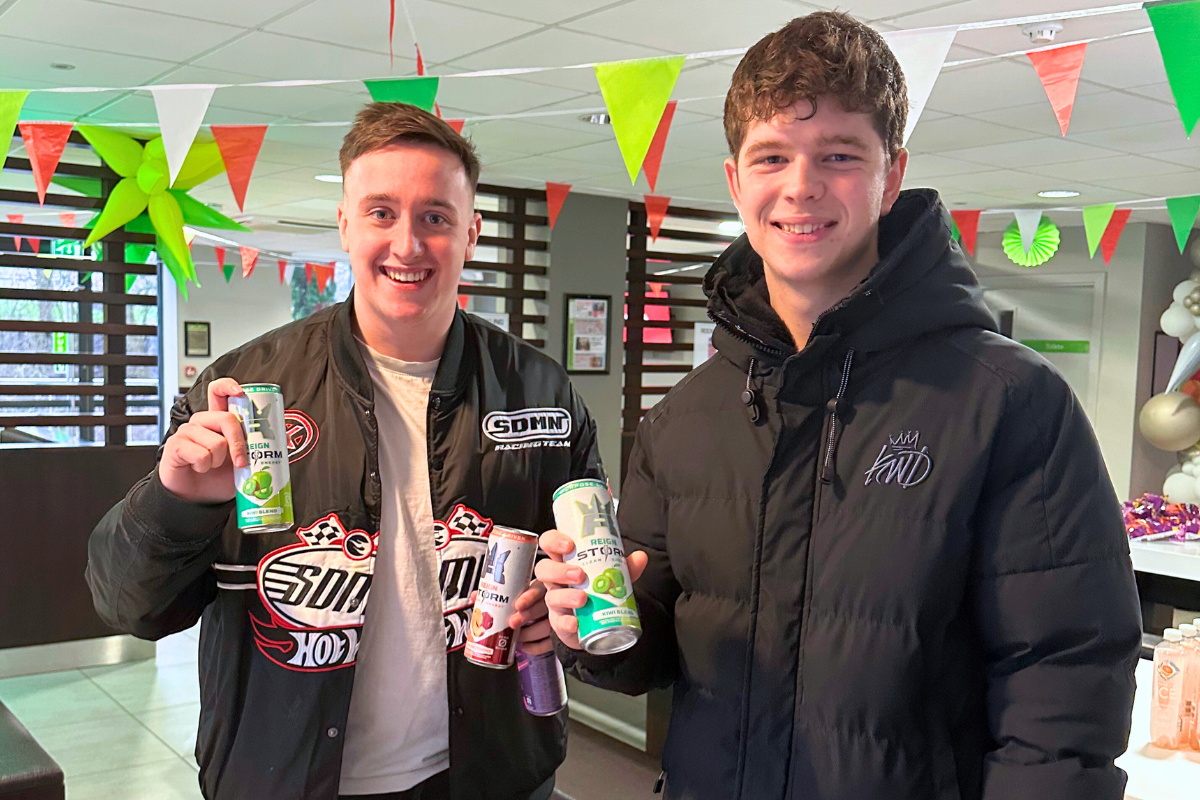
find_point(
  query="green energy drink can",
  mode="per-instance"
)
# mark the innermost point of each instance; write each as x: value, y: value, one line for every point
x: 264, y: 489
x: 608, y: 623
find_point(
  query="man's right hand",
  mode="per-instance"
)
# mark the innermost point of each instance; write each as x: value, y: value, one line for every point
x: 561, y: 598
x: 198, y: 459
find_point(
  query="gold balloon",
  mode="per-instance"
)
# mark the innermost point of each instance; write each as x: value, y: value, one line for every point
x: 1170, y: 421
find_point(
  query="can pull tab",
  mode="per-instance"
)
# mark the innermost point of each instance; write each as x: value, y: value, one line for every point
x: 658, y: 784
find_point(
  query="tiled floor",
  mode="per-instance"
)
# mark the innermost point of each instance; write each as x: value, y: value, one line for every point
x: 125, y: 731
x: 128, y: 732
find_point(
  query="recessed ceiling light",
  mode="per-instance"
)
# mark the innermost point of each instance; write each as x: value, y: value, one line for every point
x: 329, y: 178
x: 1058, y: 193
x: 596, y: 119
x: 60, y: 65
x: 731, y: 227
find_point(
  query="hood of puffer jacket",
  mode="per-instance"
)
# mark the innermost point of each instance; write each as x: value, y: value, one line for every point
x: 921, y: 284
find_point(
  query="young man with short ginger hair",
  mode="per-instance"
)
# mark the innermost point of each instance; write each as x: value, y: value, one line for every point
x: 307, y: 692
x: 879, y: 552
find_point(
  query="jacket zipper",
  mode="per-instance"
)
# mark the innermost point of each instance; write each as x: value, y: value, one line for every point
x: 834, y: 405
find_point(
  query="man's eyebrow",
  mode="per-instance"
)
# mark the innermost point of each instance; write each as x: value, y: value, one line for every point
x: 384, y: 197
x: 843, y: 139
x: 764, y: 145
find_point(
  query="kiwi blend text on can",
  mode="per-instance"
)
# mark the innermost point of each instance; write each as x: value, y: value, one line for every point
x: 264, y: 488
x: 608, y: 622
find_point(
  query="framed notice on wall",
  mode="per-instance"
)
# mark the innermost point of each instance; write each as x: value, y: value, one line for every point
x: 196, y: 340
x: 586, y: 338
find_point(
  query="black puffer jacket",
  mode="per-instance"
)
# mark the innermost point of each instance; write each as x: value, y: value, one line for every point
x: 284, y: 612
x: 907, y: 580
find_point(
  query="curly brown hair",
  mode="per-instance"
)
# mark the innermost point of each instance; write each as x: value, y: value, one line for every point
x: 824, y: 54
x: 377, y: 125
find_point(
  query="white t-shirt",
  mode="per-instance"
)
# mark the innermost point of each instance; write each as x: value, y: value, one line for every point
x: 398, y: 731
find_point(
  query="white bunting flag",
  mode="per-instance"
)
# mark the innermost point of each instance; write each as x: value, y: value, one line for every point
x: 921, y: 53
x: 1027, y: 224
x: 180, y: 112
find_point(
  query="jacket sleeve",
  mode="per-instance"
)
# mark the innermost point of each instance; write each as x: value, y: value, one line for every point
x: 653, y: 663
x: 1056, y: 604
x: 149, y: 559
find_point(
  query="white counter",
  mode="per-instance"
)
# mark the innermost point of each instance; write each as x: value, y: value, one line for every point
x: 1177, y: 559
x: 1154, y: 773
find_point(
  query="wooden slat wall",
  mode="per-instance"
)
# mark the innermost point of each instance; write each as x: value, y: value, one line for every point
x: 645, y: 258
x: 514, y: 203
x: 113, y: 300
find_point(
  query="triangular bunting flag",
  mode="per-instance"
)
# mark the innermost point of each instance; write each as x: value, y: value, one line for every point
x: 1095, y: 221
x: 220, y: 251
x: 1112, y: 234
x: 636, y: 95
x: 656, y: 211
x: 67, y: 218
x: 17, y: 219
x: 282, y: 270
x: 227, y: 271
x: 1177, y: 28
x: 420, y: 60
x: 10, y: 110
x: 308, y: 272
x: 1058, y: 68
x: 921, y: 53
x: 457, y: 124
x: 180, y: 112
x: 419, y: 92
x: 1027, y: 224
x: 239, y: 146
x: 249, y: 259
x: 556, y: 194
x: 44, y: 142
x: 1183, y: 212
x: 34, y: 244
x: 655, y: 153
x: 324, y: 272
x: 968, y: 227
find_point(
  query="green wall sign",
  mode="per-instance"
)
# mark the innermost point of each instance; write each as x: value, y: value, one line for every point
x: 1058, y: 345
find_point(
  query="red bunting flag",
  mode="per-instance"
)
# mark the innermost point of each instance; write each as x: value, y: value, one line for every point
x: 239, y: 146
x: 556, y: 195
x: 1058, y: 68
x: 457, y: 124
x: 968, y: 226
x: 420, y: 61
x: 17, y: 219
x: 67, y: 218
x: 44, y: 142
x: 657, y: 313
x: 282, y: 271
x: 220, y: 251
x: 308, y: 272
x: 249, y: 259
x: 391, y: 31
x: 655, y: 153
x: 1112, y: 234
x: 463, y: 299
x: 656, y: 211
x: 324, y: 273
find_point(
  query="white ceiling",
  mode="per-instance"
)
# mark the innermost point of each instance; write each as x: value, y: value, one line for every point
x: 988, y: 137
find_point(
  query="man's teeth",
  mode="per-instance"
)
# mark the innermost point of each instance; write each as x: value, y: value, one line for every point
x: 406, y: 276
x: 804, y: 228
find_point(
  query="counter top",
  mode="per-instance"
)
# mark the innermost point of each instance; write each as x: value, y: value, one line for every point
x: 1164, y: 557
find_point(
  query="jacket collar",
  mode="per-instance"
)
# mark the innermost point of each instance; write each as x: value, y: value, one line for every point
x: 352, y: 369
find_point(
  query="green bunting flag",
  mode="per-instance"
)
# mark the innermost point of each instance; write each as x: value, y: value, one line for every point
x: 1095, y: 222
x: 636, y: 94
x: 420, y: 92
x: 10, y: 110
x: 1177, y: 28
x: 1183, y: 212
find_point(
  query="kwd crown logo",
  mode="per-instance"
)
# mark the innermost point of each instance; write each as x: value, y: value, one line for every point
x: 901, y: 462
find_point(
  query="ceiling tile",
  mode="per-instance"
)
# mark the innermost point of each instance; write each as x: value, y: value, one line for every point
x: 1180, y: 183
x: 232, y: 12
x: 501, y: 95
x: 947, y: 133
x: 1099, y: 169
x: 668, y: 27
x: 1124, y: 63
x: 707, y: 136
x: 1030, y: 153
x: 1146, y: 138
x: 985, y: 87
x: 115, y: 29
x: 528, y: 137
x: 277, y: 57
x: 926, y: 166
x: 1187, y: 156
x: 545, y: 12
x: 444, y: 34
x: 28, y: 64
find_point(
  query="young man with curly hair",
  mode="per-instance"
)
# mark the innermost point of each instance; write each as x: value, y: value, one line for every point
x: 879, y: 552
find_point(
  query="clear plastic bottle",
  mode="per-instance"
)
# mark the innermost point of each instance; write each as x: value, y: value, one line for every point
x: 1166, y: 705
x: 1191, y: 685
x: 1192, y: 737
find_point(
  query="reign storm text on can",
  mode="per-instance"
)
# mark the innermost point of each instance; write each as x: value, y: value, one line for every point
x: 507, y: 571
x: 264, y: 488
x: 608, y: 622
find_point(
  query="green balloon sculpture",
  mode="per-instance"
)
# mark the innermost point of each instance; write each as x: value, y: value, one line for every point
x: 145, y: 189
x: 1044, y: 246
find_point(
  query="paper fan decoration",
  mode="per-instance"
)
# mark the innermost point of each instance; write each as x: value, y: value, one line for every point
x: 1045, y: 244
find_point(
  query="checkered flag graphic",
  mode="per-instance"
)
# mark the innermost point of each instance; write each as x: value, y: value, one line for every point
x: 466, y: 522
x: 323, y: 531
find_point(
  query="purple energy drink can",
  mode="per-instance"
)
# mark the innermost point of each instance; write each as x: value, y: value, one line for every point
x: 542, y: 683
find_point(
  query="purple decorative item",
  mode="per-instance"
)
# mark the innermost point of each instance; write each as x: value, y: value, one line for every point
x: 542, y: 683
x: 1151, y: 518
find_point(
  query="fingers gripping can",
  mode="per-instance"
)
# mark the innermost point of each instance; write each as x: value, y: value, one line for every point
x: 264, y: 488
x: 507, y: 571
x: 608, y: 622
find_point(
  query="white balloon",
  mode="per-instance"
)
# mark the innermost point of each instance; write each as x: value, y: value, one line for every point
x: 1189, y: 469
x: 1183, y: 290
x: 1177, y: 321
x: 1175, y: 470
x: 1180, y: 488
